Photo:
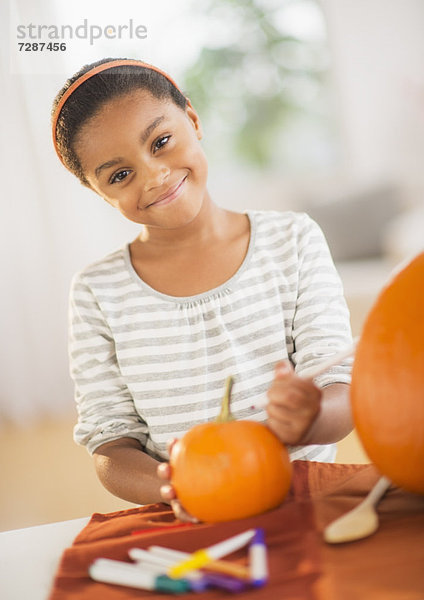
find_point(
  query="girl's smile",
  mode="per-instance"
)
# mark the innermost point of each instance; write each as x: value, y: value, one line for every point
x: 172, y: 194
x: 143, y: 155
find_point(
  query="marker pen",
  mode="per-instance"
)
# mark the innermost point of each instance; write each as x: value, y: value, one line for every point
x: 152, y: 563
x: 198, y: 581
x: 258, y: 559
x: 121, y: 573
x: 200, y: 558
x: 225, y: 582
x: 144, y: 557
x: 218, y: 566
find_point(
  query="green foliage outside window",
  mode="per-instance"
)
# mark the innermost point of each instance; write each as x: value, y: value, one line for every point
x: 249, y: 84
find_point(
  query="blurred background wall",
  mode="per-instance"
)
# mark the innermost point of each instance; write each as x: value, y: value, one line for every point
x: 307, y: 105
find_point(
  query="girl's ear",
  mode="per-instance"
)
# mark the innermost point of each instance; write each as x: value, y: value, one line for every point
x: 195, y: 119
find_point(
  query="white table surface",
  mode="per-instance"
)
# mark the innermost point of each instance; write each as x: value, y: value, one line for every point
x: 29, y: 558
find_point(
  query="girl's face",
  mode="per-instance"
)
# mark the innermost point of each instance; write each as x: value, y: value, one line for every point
x: 143, y: 155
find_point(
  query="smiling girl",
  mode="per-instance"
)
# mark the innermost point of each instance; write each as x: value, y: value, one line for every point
x: 203, y: 293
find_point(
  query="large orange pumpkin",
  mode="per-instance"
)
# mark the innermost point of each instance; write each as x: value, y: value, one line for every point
x: 230, y: 469
x: 387, y: 390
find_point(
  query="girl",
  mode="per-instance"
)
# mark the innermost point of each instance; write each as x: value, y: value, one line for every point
x: 202, y: 293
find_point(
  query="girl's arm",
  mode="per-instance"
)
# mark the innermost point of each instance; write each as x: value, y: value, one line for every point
x: 128, y: 472
x: 131, y: 474
x: 334, y: 421
x: 301, y: 411
x: 109, y: 425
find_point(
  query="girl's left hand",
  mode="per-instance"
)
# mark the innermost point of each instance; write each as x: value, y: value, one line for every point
x: 294, y: 404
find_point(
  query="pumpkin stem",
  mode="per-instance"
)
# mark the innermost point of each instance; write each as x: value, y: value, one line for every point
x: 225, y: 414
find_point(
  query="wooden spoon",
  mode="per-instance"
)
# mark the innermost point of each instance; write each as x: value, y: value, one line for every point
x: 360, y: 521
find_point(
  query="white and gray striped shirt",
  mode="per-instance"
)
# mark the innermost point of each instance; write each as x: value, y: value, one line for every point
x: 149, y: 366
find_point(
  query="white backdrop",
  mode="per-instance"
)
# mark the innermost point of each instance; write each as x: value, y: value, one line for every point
x: 51, y: 226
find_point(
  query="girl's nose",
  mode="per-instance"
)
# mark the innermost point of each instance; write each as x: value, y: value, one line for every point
x: 155, y: 175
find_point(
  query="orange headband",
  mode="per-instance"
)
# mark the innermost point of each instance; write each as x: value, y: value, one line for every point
x: 108, y: 65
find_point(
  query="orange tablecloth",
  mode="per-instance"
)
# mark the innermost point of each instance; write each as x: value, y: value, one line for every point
x: 387, y: 565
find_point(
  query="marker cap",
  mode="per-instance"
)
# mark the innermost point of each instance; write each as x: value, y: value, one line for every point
x: 259, y: 537
x: 163, y: 583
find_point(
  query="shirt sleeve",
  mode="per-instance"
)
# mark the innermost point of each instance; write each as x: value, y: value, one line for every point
x: 321, y: 324
x: 106, y: 410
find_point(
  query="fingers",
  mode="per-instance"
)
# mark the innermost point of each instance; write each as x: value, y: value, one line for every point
x: 164, y: 471
x: 182, y: 514
x: 294, y: 404
x: 283, y: 368
x: 293, y: 395
x: 290, y: 430
x: 170, y: 445
x: 167, y: 490
x: 170, y: 497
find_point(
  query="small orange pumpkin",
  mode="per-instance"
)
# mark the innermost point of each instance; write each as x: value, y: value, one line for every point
x: 387, y: 391
x: 229, y: 469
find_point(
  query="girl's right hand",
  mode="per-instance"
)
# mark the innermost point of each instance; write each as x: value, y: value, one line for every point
x: 168, y: 492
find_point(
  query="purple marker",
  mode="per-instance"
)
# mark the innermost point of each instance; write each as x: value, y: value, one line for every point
x: 258, y: 559
x: 225, y: 582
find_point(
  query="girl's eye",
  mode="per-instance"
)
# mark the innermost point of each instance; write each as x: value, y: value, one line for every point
x: 162, y: 141
x: 120, y: 176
